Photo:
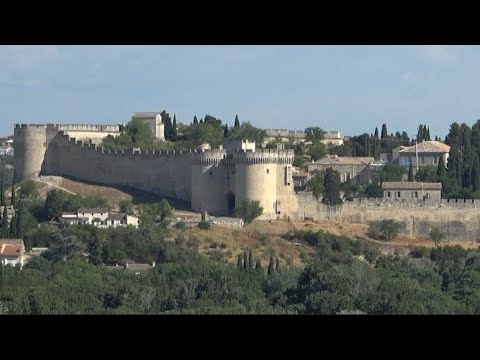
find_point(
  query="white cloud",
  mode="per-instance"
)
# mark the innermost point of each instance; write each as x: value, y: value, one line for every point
x: 438, y: 54
x: 408, y: 76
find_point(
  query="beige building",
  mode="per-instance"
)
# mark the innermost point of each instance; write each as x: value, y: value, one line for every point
x: 427, y: 152
x: 403, y: 190
x: 154, y: 120
x: 12, y: 252
x: 350, y: 168
x: 98, y: 217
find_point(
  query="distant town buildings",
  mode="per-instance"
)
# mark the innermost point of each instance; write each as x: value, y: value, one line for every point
x: 284, y: 135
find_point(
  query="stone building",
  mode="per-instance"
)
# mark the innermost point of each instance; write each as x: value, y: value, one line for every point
x: 403, y: 190
x: 154, y: 120
x: 350, y: 168
x: 99, y: 217
x: 12, y: 252
x: 427, y: 153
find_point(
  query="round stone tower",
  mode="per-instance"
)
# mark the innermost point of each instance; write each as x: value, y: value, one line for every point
x: 208, y: 193
x: 256, y: 179
x: 29, y: 145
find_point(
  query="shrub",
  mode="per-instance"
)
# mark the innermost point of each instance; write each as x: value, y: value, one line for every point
x: 249, y: 210
x: 203, y: 225
x: 384, y: 230
x: 181, y: 225
x: 436, y: 235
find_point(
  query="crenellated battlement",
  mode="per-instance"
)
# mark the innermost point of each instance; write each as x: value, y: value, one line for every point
x: 264, y: 156
x: 72, y: 127
x: 27, y: 126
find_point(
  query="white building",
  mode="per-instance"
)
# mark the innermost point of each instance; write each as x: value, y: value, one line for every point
x: 12, y: 252
x: 99, y: 217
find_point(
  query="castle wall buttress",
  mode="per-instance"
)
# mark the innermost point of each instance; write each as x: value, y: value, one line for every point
x: 30, y: 145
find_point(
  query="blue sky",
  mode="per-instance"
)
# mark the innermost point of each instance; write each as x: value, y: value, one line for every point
x: 346, y: 88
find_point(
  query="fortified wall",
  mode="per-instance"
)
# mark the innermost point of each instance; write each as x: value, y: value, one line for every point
x: 458, y: 218
x: 217, y: 180
x: 210, y: 180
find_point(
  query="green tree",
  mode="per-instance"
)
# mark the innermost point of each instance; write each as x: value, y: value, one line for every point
x: 427, y: 174
x: 270, y: 266
x: 28, y: 188
x: 126, y: 206
x: 13, y: 195
x: 225, y: 131
x: 245, y: 260
x: 317, y: 150
x: 249, y: 210
x: 174, y: 128
x: 277, y: 264
x: 195, y: 120
x: 5, y: 231
x: 314, y: 134
x: 384, y: 132
x: 331, y: 185
x: 315, y: 183
x: 250, y: 260
x: 237, y: 122
x: 2, y: 193
x: 441, y: 170
x: 239, y: 262
x: 140, y: 133
x: 437, y: 235
x: 54, y: 204
x: 258, y: 264
x: 164, y: 209
x: 410, y: 172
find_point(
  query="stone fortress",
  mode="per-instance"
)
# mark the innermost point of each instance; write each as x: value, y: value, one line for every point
x: 217, y: 180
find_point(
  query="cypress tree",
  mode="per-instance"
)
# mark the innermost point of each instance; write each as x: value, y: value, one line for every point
x: 174, y: 128
x: 195, y: 120
x: 201, y: 121
x: 331, y: 185
x: 250, y: 260
x: 237, y: 122
x: 376, y: 133
x: 2, y: 194
x: 384, y: 131
x: 239, y: 262
x: 424, y: 132
x: 19, y: 226
x: 410, y: 172
x: 427, y: 135
x: 270, y: 266
x: 5, y: 229
x: 258, y: 265
x: 245, y: 261
x: 277, y: 264
x: 225, y: 131
x: 13, y: 225
x: 13, y: 195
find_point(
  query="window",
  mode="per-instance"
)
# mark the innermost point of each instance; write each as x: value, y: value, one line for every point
x: 268, y: 171
x: 389, y: 194
x: 416, y: 194
x: 347, y: 177
x: 398, y: 194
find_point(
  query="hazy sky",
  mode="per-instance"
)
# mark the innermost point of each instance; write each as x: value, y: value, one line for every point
x: 346, y: 88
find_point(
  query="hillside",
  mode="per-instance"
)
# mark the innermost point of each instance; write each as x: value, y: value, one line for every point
x: 262, y: 237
